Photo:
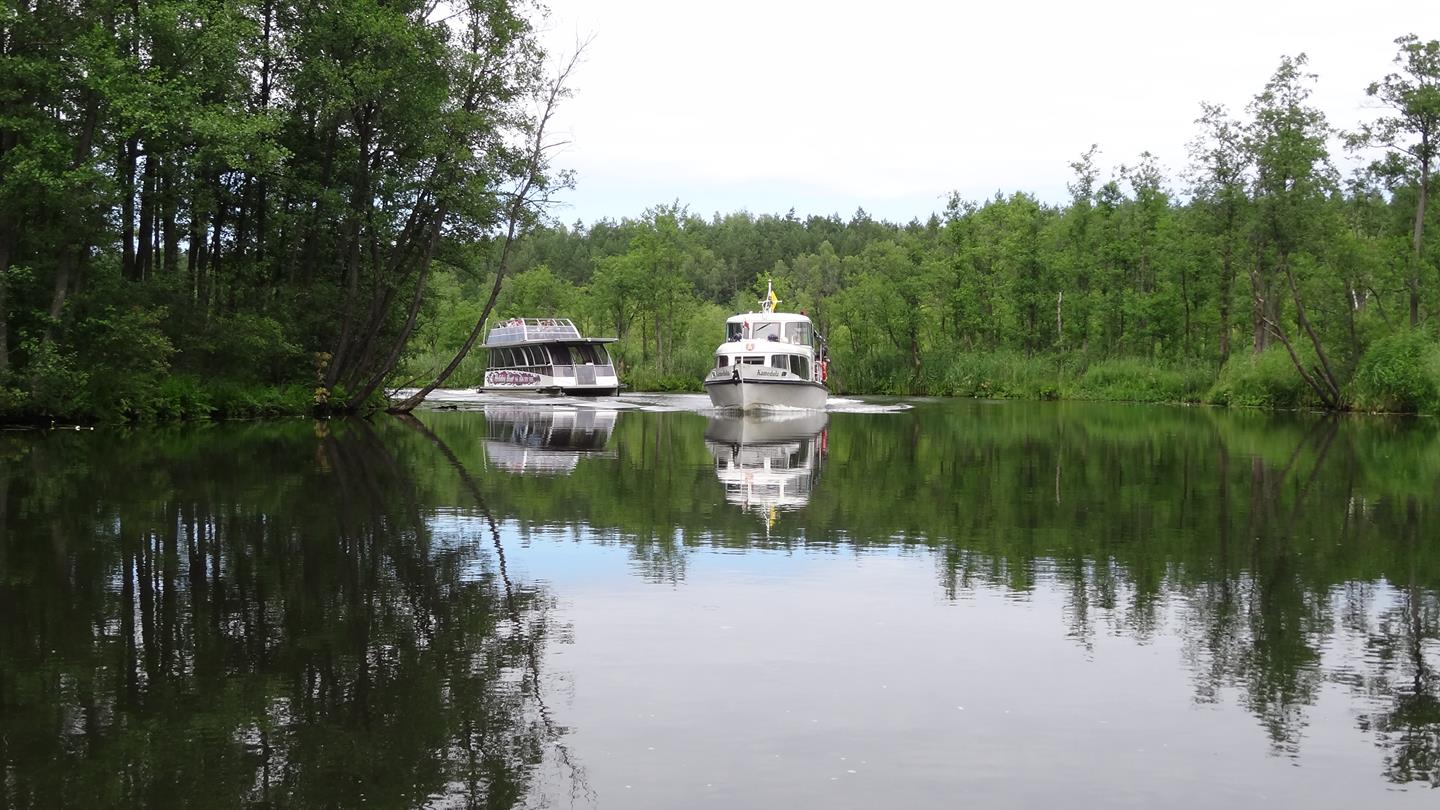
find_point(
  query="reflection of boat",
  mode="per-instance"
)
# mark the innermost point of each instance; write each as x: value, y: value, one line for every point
x: 770, y: 462
x: 769, y: 359
x: 548, y: 355
x: 545, y: 440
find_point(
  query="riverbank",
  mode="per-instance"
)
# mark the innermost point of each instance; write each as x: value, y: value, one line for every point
x: 1400, y: 374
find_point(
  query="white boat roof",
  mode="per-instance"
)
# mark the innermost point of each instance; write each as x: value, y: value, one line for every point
x: 769, y: 317
x: 526, y: 331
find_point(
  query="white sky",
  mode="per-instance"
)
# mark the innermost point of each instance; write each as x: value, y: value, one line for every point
x: 827, y: 106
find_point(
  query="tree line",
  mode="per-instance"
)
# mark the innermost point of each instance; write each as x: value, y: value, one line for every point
x: 1257, y: 274
x: 260, y: 206
x: 252, y: 191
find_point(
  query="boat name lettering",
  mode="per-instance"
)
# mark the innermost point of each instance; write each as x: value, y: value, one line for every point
x: 511, y: 378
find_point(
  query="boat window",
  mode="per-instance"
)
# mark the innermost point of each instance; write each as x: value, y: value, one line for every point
x: 722, y: 361
x: 765, y: 330
x: 602, y: 355
x: 800, y: 366
x: 503, y: 358
x: 798, y: 333
x: 753, y: 360
x: 780, y: 360
x: 733, y: 332
x: 560, y: 354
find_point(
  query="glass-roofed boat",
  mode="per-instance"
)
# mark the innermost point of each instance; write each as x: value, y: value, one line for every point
x: 547, y: 356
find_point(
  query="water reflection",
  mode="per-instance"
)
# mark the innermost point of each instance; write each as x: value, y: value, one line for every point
x: 541, y: 440
x: 767, y: 463
x: 263, y: 615
x: 326, y: 614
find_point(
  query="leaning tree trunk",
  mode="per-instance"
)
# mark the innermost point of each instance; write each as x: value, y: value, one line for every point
x: 534, y: 163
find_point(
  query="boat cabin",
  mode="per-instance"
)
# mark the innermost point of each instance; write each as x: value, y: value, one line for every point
x: 547, y: 354
x: 784, y: 340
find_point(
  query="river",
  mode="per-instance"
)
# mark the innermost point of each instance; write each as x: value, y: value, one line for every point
x: 636, y: 603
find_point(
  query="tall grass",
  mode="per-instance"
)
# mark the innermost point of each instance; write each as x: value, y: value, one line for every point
x: 1399, y: 374
x: 1265, y: 380
x: 1135, y: 380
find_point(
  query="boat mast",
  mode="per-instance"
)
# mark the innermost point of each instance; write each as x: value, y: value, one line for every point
x: 769, y: 302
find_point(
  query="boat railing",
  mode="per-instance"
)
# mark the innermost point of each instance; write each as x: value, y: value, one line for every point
x: 519, y: 330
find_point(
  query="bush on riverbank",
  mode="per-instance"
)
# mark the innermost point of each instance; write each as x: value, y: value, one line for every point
x: 1399, y: 374
x: 998, y: 375
x: 1265, y: 380
x: 1136, y: 380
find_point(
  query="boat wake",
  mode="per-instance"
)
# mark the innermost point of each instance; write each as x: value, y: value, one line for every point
x: 467, y: 399
x: 861, y: 406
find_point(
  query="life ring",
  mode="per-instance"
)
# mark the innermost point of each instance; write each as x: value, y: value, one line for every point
x: 749, y: 347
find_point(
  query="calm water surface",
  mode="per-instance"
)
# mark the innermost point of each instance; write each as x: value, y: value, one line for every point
x: 955, y: 604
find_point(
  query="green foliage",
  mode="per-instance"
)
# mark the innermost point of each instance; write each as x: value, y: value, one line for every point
x: 231, y: 400
x: 58, y: 387
x: 129, y: 355
x: 1399, y: 373
x: 1266, y: 380
x: 246, y: 346
x: 1135, y: 380
x: 1001, y: 375
x: 185, y: 194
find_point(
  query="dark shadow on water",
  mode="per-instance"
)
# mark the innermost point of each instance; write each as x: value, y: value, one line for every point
x: 261, y: 615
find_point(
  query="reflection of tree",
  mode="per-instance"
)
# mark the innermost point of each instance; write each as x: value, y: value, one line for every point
x: 1400, y: 678
x: 267, y: 615
x: 531, y: 634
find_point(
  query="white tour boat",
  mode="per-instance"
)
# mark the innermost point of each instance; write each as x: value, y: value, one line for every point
x: 768, y: 463
x: 548, y: 356
x: 769, y: 360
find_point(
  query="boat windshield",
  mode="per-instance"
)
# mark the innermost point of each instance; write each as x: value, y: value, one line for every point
x: 765, y: 330
x: 798, y: 333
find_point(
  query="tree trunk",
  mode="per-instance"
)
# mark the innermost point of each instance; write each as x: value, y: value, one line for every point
x: 1328, y: 377
x: 4, y: 300
x: 1227, y: 280
x: 359, y: 205
x: 211, y: 279
x: 169, y: 232
x: 1417, y: 239
x: 403, y: 338
x: 143, y: 254
x: 127, y: 208
x: 1259, y: 308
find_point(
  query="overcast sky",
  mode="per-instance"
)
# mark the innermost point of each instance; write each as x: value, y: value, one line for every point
x: 766, y: 105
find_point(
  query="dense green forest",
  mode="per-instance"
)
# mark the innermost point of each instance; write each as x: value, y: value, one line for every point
x: 256, y: 207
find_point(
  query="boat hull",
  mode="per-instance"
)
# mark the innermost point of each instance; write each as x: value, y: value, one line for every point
x: 577, y: 381
x: 554, y: 390
x: 749, y: 393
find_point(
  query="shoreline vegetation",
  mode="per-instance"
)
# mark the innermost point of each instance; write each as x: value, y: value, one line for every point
x: 236, y: 211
